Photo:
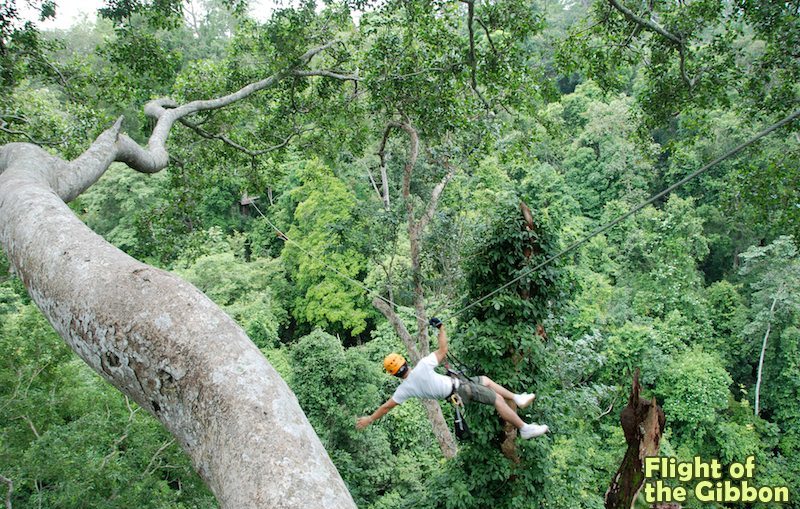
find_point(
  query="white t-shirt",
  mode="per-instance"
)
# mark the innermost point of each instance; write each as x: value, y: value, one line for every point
x: 423, y: 382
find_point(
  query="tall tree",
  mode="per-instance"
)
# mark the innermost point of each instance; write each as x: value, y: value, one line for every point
x: 774, y: 271
x: 155, y: 337
x: 439, y: 77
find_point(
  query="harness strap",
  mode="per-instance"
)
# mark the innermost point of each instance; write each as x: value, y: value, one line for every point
x: 454, y: 398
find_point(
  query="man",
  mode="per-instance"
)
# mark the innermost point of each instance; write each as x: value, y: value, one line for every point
x: 423, y: 382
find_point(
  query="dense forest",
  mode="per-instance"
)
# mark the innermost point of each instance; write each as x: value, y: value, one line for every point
x: 408, y: 159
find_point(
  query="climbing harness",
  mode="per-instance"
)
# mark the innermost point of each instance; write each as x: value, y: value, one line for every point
x: 459, y: 422
x: 458, y: 377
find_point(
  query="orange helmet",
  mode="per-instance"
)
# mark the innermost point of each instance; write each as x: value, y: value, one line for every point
x: 393, y: 363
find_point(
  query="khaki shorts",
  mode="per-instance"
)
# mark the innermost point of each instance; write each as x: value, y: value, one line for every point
x: 471, y: 389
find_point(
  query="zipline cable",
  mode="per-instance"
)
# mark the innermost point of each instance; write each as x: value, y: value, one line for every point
x: 631, y: 212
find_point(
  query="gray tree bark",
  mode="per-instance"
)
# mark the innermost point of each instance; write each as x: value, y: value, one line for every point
x: 757, y: 409
x: 155, y: 337
x: 419, y: 347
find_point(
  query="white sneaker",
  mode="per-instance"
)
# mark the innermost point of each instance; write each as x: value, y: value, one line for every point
x: 533, y: 430
x: 524, y: 399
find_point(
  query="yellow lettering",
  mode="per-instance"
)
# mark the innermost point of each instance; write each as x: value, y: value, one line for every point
x: 704, y: 491
x: 649, y: 493
x: 781, y: 494
x: 750, y: 466
x: 652, y: 466
x: 685, y: 472
x: 732, y: 493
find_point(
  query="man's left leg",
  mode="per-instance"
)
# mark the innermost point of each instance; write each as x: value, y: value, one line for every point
x: 522, y: 400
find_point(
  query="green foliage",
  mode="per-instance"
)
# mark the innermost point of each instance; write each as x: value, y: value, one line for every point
x: 773, y: 274
x: 684, y: 290
x: 116, y: 205
x: 694, y: 389
x: 322, y: 254
x: 500, y: 341
x: 21, y: 43
x: 690, y: 54
x: 659, y: 251
x: 728, y: 315
x: 606, y: 157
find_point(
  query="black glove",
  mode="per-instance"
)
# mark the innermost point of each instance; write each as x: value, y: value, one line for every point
x: 435, y: 322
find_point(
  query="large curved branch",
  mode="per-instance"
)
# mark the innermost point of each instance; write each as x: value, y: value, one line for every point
x: 649, y: 24
x: 156, y: 338
x: 155, y: 157
x: 163, y: 343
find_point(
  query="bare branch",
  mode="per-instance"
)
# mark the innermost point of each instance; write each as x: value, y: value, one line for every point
x: 682, y: 64
x: 374, y: 184
x: 435, y: 195
x: 161, y: 449
x: 328, y: 74
x: 30, y: 425
x: 649, y: 24
x: 608, y: 411
x: 646, y: 23
x: 125, y: 433
x: 308, y: 55
x: 384, y: 174
x: 10, y: 491
x: 252, y: 153
x: 12, y: 398
x: 488, y: 36
x: 472, y: 60
x: 399, y: 327
x: 29, y: 137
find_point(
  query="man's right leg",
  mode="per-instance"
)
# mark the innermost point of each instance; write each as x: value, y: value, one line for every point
x: 485, y: 393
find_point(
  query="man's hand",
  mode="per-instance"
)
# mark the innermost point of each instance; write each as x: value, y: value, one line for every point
x: 363, y: 422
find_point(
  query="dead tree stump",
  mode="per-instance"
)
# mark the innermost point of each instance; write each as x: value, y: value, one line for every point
x: 642, y: 422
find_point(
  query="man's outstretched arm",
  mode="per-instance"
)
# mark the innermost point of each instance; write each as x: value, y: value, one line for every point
x: 365, y: 421
x: 441, y: 352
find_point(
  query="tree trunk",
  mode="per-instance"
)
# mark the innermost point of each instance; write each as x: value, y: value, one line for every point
x: 155, y: 337
x: 642, y: 422
x: 162, y: 342
x: 419, y: 347
x: 761, y: 358
x: 10, y: 491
